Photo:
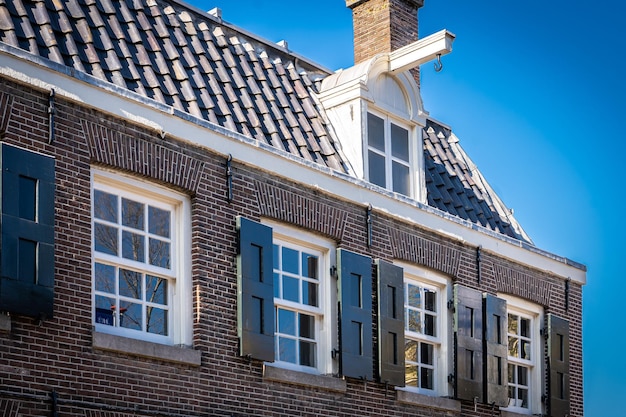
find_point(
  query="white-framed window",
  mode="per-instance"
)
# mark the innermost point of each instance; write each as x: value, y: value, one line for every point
x: 141, y: 277
x: 390, y: 149
x: 524, y: 355
x: 304, y: 300
x: 426, y: 331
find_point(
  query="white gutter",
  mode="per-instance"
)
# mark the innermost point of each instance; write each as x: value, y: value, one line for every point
x: 85, y: 89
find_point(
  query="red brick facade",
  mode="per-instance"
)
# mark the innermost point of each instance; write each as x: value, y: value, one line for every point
x: 37, y: 358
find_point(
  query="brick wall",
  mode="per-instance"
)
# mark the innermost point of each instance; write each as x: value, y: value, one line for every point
x: 37, y: 358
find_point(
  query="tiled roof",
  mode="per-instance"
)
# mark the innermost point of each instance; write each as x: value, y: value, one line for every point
x: 184, y: 58
x: 455, y: 185
x: 179, y: 56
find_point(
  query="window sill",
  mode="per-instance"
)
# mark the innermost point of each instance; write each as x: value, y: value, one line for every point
x: 439, y: 403
x: 141, y: 348
x: 275, y: 374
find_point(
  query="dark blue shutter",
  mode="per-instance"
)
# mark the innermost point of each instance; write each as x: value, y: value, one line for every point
x: 390, y: 323
x: 558, y: 366
x: 27, y: 251
x: 355, y: 312
x: 468, y: 343
x: 495, y: 351
x: 255, y: 290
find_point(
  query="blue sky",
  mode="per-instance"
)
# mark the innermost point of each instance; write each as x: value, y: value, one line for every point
x: 535, y: 91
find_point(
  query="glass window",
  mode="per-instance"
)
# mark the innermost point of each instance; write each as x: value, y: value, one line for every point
x: 523, y: 360
x: 422, y: 334
x: 134, y: 268
x: 302, y: 340
x: 388, y: 154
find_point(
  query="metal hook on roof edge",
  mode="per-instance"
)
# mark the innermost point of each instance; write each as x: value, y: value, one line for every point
x: 438, y: 64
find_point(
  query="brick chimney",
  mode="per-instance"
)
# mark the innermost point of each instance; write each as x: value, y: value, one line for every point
x: 383, y: 26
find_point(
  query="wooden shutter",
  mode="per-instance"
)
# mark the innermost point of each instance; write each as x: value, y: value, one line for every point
x: 255, y: 290
x: 390, y: 323
x: 558, y: 366
x: 355, y: 312
x: 495, y: 351
x: 468, y: 343
x: 27, y: 255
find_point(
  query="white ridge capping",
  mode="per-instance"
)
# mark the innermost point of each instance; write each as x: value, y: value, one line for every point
x: 44, y: 74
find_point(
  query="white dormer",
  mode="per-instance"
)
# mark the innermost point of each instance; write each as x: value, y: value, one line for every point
x: 376, y: 110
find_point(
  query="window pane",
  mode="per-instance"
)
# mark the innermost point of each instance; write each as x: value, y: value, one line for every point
x: 130, y: 284
x: 511, y: 374
x: 105, y: 239
x: 286, y: 322
x: 514, y: 347
x: 276, y: 285
x: 399, y: 142
x: 410, y: 375
x: 414, y: 323
x: 156, y: 290
x: 133, y: 246
x: 525, y: 353
x: 105, y: 308
x: 375, y: 132
x: 513, y: 324
x: 429, y: 325
x: 105, y: 206
x: 309, y: 293
x: 307, y: 326
x: 426, y: 378
x: 376, y: 169
x: 430, y: 300
x: 401, y: 179
x: 410, y: 350
x: 522, y: 375
x: 286, y: 350
x: 522, y: 396
x: 307, y: 353
x: 156, y: 321
x: 159, y: 221
x: 414, y: 296
x: 105, y: 278
x: 309, y: 266
x: 290, y: 261
x: 130, y: 316
x: 426, y: 354
x: 290, y: 289
x: 524, y: 327
x: 132, y: 214
x: 159, y: 253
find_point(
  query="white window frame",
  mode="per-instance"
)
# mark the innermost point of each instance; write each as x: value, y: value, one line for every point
x: 326, y: 312
x: 433, y: 281
x: 178, y: 275
x: 534, y: 312
x: 388, y: 120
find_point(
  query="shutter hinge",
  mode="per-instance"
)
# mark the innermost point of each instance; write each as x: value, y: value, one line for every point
x: 333, y: 271
x: 451, y: 379
x: 544, y: 332
x: 451, y: 305
x: 335, y: 353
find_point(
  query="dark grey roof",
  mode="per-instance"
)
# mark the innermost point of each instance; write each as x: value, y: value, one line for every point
x: 182, y: 57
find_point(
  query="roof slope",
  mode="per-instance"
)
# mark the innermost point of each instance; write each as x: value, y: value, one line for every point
x: 184, y: 58
x: 180, y: 56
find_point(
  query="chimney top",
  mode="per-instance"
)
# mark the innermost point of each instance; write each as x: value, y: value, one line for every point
x: 383, y: 26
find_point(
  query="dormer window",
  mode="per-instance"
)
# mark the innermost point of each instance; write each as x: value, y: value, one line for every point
x: 389, y: 154
x: 376, y: 111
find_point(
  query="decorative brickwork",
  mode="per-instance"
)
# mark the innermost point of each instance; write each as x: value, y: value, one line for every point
x: 425, y: 252
x: 296, y: 209
x: 512, y: 281
x: 110, y: 147
x: 9, y: 408
x: 6, y: 106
